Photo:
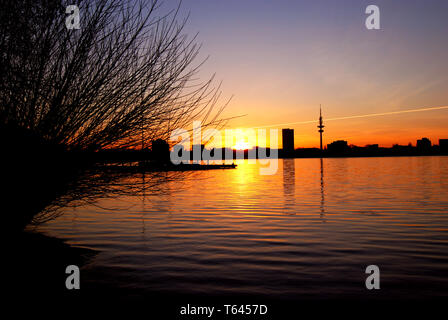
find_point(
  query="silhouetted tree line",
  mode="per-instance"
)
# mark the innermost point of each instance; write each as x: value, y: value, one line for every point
x: 127, y: 72
x: 124, y: 79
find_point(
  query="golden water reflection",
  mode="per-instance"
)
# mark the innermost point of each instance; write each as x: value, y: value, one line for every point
x: 241, y: 232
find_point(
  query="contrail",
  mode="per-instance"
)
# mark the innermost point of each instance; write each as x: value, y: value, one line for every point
x: 357, y: 116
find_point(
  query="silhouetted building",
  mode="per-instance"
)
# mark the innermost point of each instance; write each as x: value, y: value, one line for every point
x: 263, y: 152
x: 321, y: 127
x: 160, y: 150
x: 288, y: 141
x: 443, y: 145
x: 401, y: 150
x: 197, y: 150
x: 180, y: 152
x: 424, y: 145
x: 338, y: 147
x: 307, y: 153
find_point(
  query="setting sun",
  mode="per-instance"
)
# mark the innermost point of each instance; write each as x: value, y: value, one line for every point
x: 241, y: 145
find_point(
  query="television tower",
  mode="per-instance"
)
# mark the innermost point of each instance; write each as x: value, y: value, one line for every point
x: 320, y: 126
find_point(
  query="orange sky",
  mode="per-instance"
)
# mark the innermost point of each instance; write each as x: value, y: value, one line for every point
x: 385, y: 130
x: 281, y: 59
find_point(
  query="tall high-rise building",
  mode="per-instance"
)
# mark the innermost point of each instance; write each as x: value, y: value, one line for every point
x: 288, y: 140
x: 320, y: 126
x: 423, y: 143
x: 443, y: 144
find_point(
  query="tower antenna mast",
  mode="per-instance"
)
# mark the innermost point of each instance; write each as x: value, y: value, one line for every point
x: 320, y: 126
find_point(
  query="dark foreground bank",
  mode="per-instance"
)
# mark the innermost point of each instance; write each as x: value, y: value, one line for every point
x: 36, y: 282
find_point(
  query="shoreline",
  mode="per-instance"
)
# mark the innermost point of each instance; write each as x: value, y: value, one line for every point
x: 36, y: 265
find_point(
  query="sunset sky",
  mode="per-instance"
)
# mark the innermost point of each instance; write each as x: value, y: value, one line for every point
x: 281, y: 59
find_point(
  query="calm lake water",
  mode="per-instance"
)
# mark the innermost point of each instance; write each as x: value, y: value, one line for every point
x: 307, y: 232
